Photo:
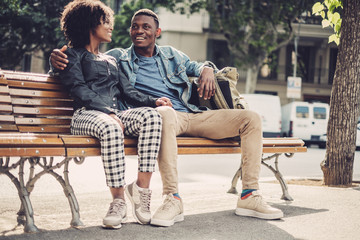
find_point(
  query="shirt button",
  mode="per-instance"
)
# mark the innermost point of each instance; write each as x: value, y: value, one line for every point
x: 114, y: 105
x: 114, y: 99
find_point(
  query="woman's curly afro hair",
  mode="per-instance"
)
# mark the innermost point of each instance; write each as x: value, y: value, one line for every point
x: 82, y: 16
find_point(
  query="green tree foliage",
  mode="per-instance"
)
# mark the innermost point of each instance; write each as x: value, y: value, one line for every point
x: 330, y: 11
x: 120, y: 36
x: 27, y: 26
x: 253, y: 29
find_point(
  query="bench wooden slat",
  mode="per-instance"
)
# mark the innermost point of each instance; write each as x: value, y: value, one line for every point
x: 189, y: 144
x: 44, y: 129
x: 88, y: 141
x: 35, y: 85
x: 84, y: 152
x: 42, y: 121
x: 25, y: 141
x: 38, y: 93
x: 36, y: 77
x: 208, y: 150
x: 3, y: 81
x: 28, y: 135
x: 8, y: 127
x: 89, y: 152
x: 198, y: 142
x: 42, y: 102
x: 288, y: 149
x: 7, y: 118
x: 282, y: 142
x: 5, y: 108
x: 5, y: 99
x: 33, y: 152
x: 4, y: 89
x: 43, y: 111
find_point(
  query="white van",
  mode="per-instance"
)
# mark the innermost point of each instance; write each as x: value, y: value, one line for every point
x: 269, y: 108
x: 307, y: 121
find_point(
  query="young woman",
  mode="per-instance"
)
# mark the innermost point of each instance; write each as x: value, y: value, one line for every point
x: 98, y: 89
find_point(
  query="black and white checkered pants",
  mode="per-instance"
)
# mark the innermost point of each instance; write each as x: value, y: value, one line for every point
x: 144, y: 123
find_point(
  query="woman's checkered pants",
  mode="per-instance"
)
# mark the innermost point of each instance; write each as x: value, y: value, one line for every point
x: 144, y: 123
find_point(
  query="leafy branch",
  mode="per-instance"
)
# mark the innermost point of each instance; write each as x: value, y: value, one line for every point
x: 330, y: 11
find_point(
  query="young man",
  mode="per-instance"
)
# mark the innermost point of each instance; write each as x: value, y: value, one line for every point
x: 163, y: 71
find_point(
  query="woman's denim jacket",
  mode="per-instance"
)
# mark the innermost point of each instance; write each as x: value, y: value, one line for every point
x: 174, y: 66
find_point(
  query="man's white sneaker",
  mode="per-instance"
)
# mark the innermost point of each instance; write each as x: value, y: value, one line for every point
x: 116, y: 214
x: 140, y: 201
x: 170, y: 212
x: 255, y: 206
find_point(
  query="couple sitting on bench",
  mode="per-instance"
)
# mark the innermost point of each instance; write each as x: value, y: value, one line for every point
x: 144, y: 91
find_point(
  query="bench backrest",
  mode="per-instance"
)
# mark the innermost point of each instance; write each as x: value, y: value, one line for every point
x: 34, y: 103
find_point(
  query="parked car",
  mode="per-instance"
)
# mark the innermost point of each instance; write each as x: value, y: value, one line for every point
x: 269, y: 108
x: 305, y: 120
x: 323, y: 137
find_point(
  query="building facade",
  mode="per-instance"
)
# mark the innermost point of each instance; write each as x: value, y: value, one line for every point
x: 315, y: 62
x: 192, y: 34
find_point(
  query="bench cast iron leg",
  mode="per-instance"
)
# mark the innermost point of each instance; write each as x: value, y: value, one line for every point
x: 278, y: 175
x: 68, y: 190
x: 26, y: 207
x: 235, y: 180
x: 69, y: 193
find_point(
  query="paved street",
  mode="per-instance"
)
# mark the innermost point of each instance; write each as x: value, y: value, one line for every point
x: 204, y: 180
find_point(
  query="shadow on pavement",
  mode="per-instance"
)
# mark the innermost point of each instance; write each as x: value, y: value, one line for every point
x: 217, y: 225
x: 293, y: 211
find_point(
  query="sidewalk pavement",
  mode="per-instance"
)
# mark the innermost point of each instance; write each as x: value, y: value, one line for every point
x: 317, y: 212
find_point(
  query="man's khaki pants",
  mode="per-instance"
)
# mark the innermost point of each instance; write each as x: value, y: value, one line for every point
x: 213, y: 124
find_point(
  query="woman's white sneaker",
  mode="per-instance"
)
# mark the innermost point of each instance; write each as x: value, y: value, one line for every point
x: 116, y: 214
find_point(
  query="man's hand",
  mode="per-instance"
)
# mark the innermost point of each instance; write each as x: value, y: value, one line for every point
x: 58, y: 58
x: 206, y: 86
x: 117, y: 120
x: 163, y: 101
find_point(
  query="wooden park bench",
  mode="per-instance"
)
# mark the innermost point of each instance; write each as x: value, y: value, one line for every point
x: 34, y: 132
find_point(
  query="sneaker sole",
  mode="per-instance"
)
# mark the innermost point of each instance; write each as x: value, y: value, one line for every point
x: 167, y: 223
x: 252, y: 213
x: 133, y: 208
x: 112, y: 226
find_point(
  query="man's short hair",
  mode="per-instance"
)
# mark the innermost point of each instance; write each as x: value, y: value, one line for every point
x: 146, y: 12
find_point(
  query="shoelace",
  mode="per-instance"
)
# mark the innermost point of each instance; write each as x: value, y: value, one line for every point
x: 169, y: 203
x: 115, y: 208
x: 145, y: 201
x: 258, y: 200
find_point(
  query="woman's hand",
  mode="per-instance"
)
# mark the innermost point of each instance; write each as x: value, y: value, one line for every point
x: 163, y: 101
x: 117, y: 120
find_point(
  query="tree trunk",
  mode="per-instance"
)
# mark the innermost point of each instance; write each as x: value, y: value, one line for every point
x: 251, y: 79
x: 337, y: 166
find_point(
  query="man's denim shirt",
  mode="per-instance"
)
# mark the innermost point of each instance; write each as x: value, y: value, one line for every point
x: 174, y: 66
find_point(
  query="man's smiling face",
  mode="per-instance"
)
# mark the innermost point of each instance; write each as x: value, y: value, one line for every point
x: 143, y: 32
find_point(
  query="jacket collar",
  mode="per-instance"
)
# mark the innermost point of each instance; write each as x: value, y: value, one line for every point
x: 130, y: 55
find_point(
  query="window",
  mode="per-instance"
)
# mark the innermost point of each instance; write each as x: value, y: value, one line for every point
x: 117, y: 5
x: 305, y: 67
x: 332, y: 64
x: 26, y: 67
x: 218, y: 53
x: 319, y: 113
x: 302, y: 112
